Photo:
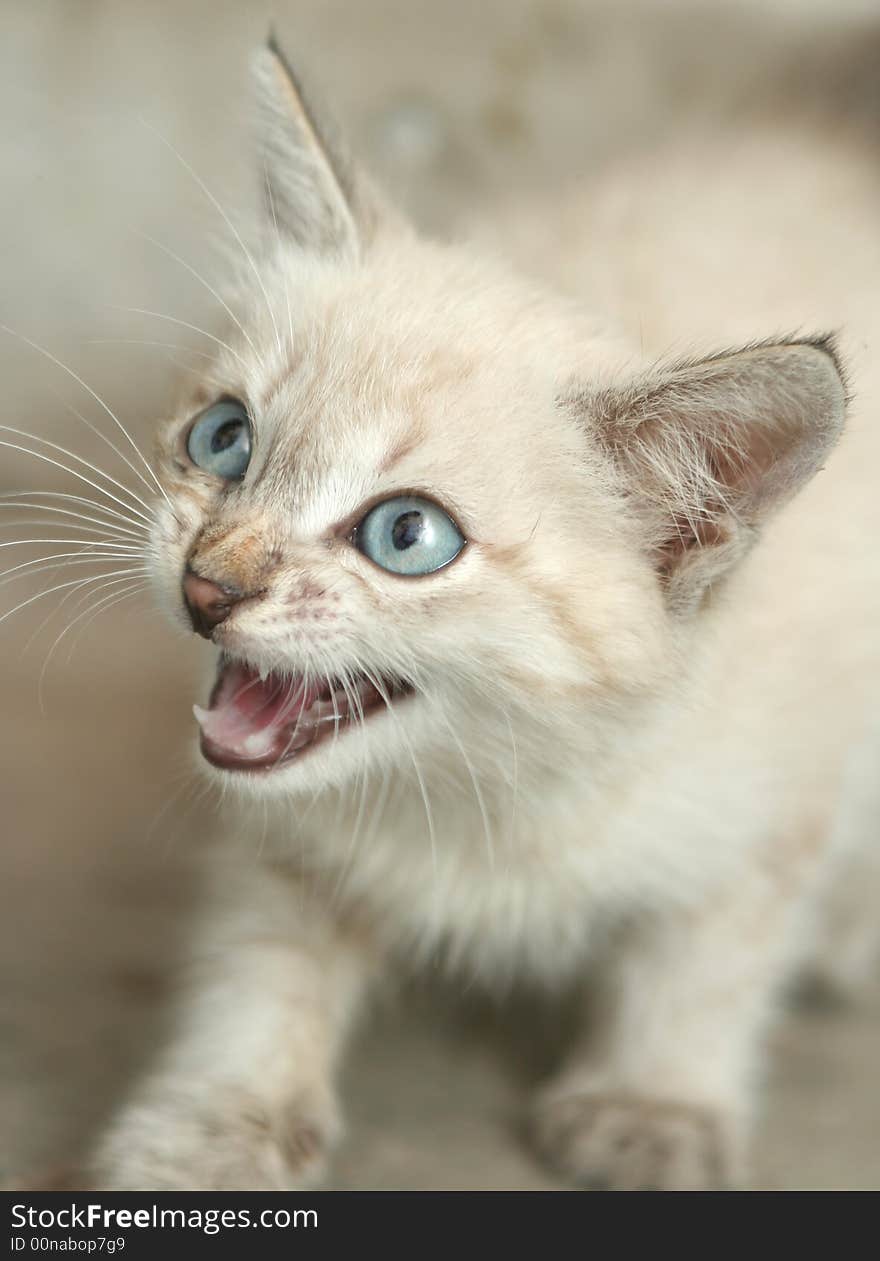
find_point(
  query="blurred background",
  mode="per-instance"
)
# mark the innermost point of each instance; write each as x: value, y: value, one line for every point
x: 464, y: 111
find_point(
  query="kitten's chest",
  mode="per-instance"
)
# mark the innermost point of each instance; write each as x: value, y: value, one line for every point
x: 494, y: 893
x: 484, y: 900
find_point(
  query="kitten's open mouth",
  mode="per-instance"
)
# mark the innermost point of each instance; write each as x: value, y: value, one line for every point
x: 256, y: 723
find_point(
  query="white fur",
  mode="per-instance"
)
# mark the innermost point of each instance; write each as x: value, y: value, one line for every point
x: 597, y: 776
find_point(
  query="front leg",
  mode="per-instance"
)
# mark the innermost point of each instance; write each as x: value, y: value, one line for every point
x: 243, y: 1096
x: 658, y: 1092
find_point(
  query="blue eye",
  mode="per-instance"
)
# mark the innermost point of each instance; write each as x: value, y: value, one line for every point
x: 409, y: 536
x: 220, y: 440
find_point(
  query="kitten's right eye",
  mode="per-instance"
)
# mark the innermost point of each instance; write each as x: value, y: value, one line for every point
x: 220, y: 440
x: 409, y: 536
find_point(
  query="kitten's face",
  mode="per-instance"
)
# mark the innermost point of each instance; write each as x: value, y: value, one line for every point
x: 428, y: 520
x: 404, y: 415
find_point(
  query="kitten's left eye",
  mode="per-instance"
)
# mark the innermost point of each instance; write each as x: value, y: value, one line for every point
x: 220, y: 440
x: 409, y: 536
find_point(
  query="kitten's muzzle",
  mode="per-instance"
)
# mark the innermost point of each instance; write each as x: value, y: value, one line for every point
x: 207, y: 603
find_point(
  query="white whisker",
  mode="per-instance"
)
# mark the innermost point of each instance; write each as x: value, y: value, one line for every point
x: 202, y: 281
x: 278, y: 238
x: 189, y: 781
x: 134, y: 526
x: 109, y: 442
x: 418, y: 770
x: 111, y: 531
x: 216, y: 204
x: 515, y: 786
x: 93, y: 609
x: 38, y: 455
x: 351, y: 695
x: 490, y: 849
x: 35, y: 634
x: 141, y: 341
x: 63, y: 366
x: 126, y: 594
x: 132, y: 548
x: 168, y: 347
x: 172, y: 319
x: 63, y: 586
x: 82, y: 556
x: 45, y: 564
x: 54, y: 446
x: 106, y: 602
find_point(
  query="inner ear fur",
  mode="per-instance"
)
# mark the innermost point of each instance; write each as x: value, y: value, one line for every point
x: 707, y: 449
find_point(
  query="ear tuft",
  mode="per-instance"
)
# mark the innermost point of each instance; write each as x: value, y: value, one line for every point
x: 708, y: 449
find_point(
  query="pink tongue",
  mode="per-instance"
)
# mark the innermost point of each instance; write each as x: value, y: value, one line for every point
x: 250, y: 717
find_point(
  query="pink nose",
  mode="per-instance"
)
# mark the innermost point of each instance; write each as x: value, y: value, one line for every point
x: 207, y: 603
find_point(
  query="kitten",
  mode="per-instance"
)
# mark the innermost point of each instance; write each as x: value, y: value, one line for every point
x: 536, y: 665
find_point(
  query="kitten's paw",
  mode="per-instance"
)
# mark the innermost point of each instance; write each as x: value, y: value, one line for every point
x: 629, y: 1143
x: 228, y: 1141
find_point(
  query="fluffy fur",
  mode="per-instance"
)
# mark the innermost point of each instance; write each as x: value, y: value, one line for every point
x: 645, y: 695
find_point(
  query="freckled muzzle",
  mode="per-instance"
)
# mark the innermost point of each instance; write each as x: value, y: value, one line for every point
x: 260, y: 722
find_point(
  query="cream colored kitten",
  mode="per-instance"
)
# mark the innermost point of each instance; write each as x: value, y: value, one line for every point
x: 532, y: 645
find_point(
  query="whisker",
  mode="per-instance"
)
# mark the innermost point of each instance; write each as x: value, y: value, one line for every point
x: 202, y: 281
x: 101, y: 536
x: 140, y: 341
x: 112, y: 531
x: 63, y: 366
x: 168, y: 347
x: 262, y: 845
x: 278, y: 238
x: 109, y: 442
x: 172, y: 319
x: 188, y: 782
x: 337, y: 717
x: 102, y: 605
x: 355, y: 708
x: 292, y: 688
x: 118, y: 549
x: 60, y: 560
x: 199, y: 790
x: 114, y: 597
x: 418, y: 771
x: 515, y: 761
x: 98, y: 542
x: 216, y: 204
x: 59, y: 606
x: 33, y: 437
x: 378, y: 808
x: 490, y: 849
x: 133, y: 525
x: 62, y: 586
x: 38, y: 455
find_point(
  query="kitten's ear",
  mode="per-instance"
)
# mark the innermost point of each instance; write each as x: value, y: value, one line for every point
x: 707, y: 450
x: 312, y: 192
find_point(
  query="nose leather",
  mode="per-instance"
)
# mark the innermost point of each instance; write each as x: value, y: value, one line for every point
x: 207, y: 603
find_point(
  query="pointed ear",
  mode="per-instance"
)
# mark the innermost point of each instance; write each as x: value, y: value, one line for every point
x: 706, y: 451
x: 312, y: 192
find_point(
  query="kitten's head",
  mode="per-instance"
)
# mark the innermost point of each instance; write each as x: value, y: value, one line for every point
x: 429, y: 516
